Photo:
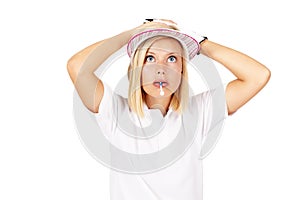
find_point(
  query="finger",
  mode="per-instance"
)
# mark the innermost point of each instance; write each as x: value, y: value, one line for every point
x: 169, y: 21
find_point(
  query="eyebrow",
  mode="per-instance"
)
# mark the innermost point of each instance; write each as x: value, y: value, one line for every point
x: 150, y: 52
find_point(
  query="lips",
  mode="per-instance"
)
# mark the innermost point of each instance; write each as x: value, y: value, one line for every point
x: 156, y: 83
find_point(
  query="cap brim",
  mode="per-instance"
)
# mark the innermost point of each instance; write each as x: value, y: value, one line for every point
x: 190, y: 44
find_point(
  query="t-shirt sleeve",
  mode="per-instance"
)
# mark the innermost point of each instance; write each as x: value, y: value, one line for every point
x: 212, y: 109
x: 106, y: 116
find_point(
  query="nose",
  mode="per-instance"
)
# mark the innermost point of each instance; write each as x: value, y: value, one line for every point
x: 160, y: 71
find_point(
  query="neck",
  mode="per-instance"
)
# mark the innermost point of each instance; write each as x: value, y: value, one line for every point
x: 161, y: 103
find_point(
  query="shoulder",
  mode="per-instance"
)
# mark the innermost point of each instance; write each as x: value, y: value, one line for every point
x: 202, y: 97
x: 212, y: 100
x: 112, y: 101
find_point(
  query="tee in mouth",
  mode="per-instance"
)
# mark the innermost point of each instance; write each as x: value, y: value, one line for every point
x: 160, y: 83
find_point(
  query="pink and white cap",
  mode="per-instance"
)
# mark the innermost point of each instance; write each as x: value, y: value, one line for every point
x: 189, y: 43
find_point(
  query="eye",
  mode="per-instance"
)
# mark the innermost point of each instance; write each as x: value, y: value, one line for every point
x: 172, y: 59
x: 150, y: 59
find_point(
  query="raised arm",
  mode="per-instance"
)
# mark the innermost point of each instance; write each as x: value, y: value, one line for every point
x: 251, y: 75
x: 81, y: 68
x: 82, y: 65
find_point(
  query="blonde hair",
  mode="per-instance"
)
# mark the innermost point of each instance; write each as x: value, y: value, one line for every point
x: 136, y: 94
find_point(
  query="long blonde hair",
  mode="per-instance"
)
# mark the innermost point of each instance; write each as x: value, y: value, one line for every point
x: 136, y: 94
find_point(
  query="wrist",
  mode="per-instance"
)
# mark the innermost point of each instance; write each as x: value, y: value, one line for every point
x: 204, y: 47
x: 203, y: 39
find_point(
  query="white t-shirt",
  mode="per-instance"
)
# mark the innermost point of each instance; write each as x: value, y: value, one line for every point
x: 180, y: 180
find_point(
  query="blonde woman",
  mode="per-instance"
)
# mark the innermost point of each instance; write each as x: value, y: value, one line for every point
x: 158, y: 81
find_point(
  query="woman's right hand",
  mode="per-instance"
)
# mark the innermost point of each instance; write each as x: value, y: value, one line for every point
x: 159, y: 23
x: 83, y: 64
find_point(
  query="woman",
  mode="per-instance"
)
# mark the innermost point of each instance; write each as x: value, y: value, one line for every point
x: 158, y: 81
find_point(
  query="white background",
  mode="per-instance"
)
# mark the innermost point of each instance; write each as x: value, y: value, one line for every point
x: 41, y: 154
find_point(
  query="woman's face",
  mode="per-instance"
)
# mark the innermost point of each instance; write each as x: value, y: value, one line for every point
x: 163, y: 63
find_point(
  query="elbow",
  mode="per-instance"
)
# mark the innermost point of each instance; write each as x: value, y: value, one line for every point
x: 261, y: 80
x: 265, y: 76
x: 268, y: 74
x: 260, y: 77
x: 73, y: 68
x: 71, y: 64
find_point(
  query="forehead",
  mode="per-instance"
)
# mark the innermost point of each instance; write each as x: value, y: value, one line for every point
x: 166, y: 45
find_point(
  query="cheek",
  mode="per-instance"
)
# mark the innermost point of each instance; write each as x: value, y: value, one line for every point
x: 174, y: 74
x: 175, y: 81
x: 148, y: 75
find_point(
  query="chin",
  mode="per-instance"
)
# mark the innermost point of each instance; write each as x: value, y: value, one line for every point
x: 155, y: 92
